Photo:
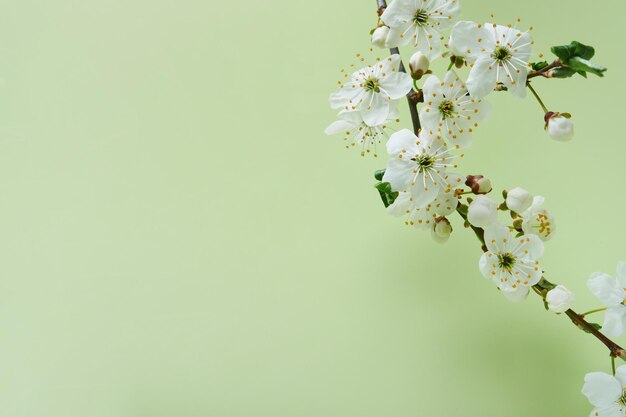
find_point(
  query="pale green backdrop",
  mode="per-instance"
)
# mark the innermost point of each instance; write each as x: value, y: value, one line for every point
x: 179, y: 239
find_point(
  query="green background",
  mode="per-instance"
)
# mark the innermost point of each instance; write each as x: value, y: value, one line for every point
x: 179, y: 238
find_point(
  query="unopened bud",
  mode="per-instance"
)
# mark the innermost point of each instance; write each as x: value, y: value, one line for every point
x: 559, y: 126
x: 379, y: 37
x: 482, y: 212
x: 418, y: 64
x: 518, y: 200
x: 478, y: 184
x: 559, y: 299
x: 442, y: 229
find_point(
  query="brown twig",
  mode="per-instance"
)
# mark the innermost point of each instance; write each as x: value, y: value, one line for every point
x: 413, y: 97
x: 544, y: 71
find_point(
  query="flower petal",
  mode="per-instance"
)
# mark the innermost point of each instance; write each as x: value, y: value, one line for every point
x: 605, y: 288
x: 482, y: 78
x: 469, y: 38
x: 339, y: 127
x: 402, y: 140
x: 516, y: 295
x: 398, y: 174
x: 496, y: 237
x: 601, y: 389
x: 614, y: 321
x: 375, y: 109
x: 396, y: 85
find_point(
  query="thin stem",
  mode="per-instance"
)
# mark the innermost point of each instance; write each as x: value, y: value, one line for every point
x: 543, y: 106
x: 613, y: 364
x: 598, y: 310
x: 412, y: 97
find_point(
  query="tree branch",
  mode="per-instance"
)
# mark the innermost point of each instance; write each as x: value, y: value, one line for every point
x: 615, y: 350
x: 412, y: 97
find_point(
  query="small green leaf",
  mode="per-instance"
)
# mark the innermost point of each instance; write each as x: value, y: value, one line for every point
x: 538, y: 66
x: 387, y: 195
x: 562, y: 72
x: 379, y: 174
x: 582, y: 65
x: 594, y: 325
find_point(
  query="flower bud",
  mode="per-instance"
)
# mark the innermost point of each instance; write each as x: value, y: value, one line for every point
x: 560, y: 126
x: 482, y: 212
x: 478, y: 184
x: 518, y: 200
x: 379, y: 37
x: 442, y: 229
x: 559, y: 299
x: 418, y: 64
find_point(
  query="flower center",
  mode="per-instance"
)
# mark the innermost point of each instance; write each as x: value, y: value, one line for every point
x: 501, y: 54
x: 446, y: 108
x: 371, y: 84
x: 506, y: 261
x: 425, y: 162
x: 421, y: 17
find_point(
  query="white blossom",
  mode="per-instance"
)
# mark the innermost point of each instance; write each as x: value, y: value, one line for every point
x: 559, y: 299
x: 538, y: 221
x: 612, y: 293
x: 419, y: 166
x: 519, y: 200
x: 511, y: 262
x: 606, y: 393
x: 495, y: 53
x: 560, y: 128
x: 420, y: 22
x: 482, y: 212
x: 372, y: 89
x: 450, y: 111
x: 423, y: 216
x: 359, y: 134
x: 379, y: 37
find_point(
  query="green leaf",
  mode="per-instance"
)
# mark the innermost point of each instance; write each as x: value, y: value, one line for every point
x: 387, y: 195
x: 576, y: 59
x: 538, y: 66
x: 594, y: 325
x: 562, y: 72
x: 379, y: 174
x: 583, y: 65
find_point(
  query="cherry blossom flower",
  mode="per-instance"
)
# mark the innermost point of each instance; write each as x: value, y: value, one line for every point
x: 359, y: 134
x: 423, y: 217
x: 538, y: 221
x: 606, y: 393
x: 372, y: 89
x: 450, y: 111
x: 420, y: 23
x: 511, y: 262
x: 495, y: 53
x: 419, y: 166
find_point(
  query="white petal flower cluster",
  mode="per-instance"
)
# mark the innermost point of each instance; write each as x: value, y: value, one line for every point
x: 420, y: 23
x: 497, y: 55
x: 612, y: 293
x: 511, y: 262
x: 607, y: 393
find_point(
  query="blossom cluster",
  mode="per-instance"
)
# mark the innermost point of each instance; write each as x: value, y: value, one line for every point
x: 422, y: 184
